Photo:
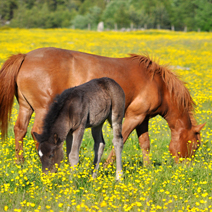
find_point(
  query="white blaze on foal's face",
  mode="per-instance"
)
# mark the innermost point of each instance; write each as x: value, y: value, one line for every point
x: 40, y: 153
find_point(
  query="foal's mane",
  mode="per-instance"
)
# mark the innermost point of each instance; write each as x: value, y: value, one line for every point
x: 175, y: 86
x: 54, y: 111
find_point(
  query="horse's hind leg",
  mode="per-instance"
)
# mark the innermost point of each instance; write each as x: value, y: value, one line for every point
x: 20, y: 128
x: 144, y: 142
x: 99, y: 145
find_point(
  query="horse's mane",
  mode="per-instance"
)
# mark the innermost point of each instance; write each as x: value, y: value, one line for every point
x: 175, y: 86
x: 53, y: 113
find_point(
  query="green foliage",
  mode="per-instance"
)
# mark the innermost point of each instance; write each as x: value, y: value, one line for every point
x: 41, y: 17
x: 7, y: 8
x: 116, y: 12
x: 193, y: 14
x: 92, y: 18
x: 87, y: 4
x: 204, y: 14
x: 183, y: 13
x: 80, y: 22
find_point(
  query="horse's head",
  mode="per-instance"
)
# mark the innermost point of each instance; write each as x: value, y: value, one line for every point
x: 50, y: 153
x: 185, y: 142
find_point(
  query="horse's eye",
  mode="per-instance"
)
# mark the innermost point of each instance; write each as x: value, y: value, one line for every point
x: 51, y: 156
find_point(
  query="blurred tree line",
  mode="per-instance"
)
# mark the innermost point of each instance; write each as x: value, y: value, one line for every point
x: 164, y: 14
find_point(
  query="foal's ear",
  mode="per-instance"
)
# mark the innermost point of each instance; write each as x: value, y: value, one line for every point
x: 57, y: 141
x: 37, y: 136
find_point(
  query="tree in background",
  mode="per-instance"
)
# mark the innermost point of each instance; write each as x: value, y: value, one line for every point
x: 40, y: 16
x: 192, y: 14
x: 89, y: 12
x: 182, y: 14
x: 203, y: 16
x: 161, y: 16
x: 7, y: 8
x: 116, y: 12
x: 87, y: 4
x: 92, y: 17
x: 138, y: 17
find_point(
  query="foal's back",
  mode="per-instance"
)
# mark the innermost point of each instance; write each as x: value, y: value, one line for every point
x: 95, y: 101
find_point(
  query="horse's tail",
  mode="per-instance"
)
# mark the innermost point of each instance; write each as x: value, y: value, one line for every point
x: 8, y: 75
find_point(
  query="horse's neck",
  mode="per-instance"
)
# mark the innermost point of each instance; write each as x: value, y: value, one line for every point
x: 177, y: 117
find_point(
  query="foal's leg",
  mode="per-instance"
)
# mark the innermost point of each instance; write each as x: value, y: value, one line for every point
x: 129, y: 124
x: 69, y: 140
x: 99, y: 145
x: 20, y: 128
x: 118, y: 146
x: 77, y: 140
x: 144, y: 142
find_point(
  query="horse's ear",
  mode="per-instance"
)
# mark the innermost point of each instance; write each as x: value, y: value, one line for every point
x: 37, y: 136
x: 198, y: 127
x: 57, y: 141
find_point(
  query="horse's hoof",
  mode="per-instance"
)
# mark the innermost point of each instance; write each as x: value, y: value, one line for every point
x: 146, y: 162
x: 107, y: 163
x: 19, y: 160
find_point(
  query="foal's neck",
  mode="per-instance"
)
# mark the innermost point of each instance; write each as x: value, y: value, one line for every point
x: 61, y: 127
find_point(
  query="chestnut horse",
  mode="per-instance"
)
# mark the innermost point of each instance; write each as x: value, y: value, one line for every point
x: 150, y: 89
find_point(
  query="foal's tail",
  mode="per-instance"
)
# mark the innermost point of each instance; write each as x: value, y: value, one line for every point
x: 8, y: 75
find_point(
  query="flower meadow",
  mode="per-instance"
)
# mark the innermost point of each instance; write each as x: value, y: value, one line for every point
x: 160, y: 186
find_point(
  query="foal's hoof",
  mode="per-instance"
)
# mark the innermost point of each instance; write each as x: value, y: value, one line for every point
x: 119, y: 175
x: 94, y: 174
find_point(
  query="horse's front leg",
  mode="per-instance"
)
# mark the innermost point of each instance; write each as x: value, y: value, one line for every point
x: 99, y: 145
x: 20, y: 129
x: 76, y: 143
x: 144, y: 142
x: 38, y: 123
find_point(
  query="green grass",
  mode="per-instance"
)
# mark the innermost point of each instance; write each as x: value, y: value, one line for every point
x: 161, y: 186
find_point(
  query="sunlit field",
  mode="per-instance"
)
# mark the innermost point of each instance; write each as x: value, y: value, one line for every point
x: 161, y: 186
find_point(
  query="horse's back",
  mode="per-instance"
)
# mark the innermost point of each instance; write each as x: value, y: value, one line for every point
x: 52, y: 70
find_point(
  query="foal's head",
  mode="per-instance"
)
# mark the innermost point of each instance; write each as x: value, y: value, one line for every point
x: 50, y: 152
